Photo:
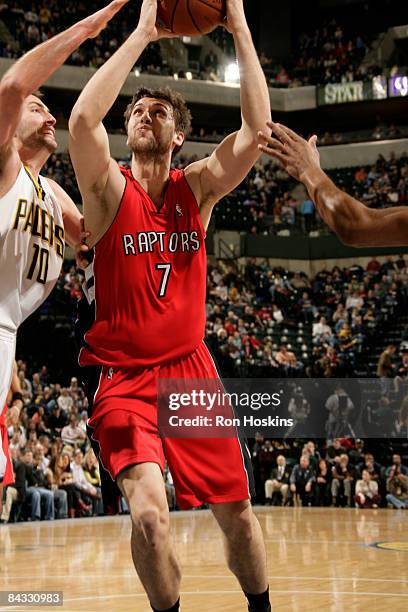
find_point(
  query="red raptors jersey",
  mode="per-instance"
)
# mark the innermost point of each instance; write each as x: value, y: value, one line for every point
x: 150, y: 280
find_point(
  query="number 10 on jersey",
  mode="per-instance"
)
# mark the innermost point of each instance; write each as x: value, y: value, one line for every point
x: 40, y: 259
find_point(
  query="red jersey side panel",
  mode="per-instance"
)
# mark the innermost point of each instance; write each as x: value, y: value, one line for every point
x: 3, y: 415
x: 150, y: 280
x: 6, y: 467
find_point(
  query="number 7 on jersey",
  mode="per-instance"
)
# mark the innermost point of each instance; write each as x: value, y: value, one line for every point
x: 166, y: 268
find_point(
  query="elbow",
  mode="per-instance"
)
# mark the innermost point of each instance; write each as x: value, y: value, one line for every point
x: 348, y: 237
x: 252, y: 130
x: 355, y: 237
x: 11, y: 89
x: 80, y: 120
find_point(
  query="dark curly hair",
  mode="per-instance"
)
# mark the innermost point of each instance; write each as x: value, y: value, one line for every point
x: 182, y: 115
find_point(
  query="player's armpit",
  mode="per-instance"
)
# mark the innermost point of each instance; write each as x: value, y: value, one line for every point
x: 99, y: 178
x: 70, y: 214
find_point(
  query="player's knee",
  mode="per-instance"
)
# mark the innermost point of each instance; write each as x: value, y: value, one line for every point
x: 241, y: 527
x: 150, y: 526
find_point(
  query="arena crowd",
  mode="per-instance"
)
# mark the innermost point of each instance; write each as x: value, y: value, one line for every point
x: 262, y: 322
x: 332, y: 52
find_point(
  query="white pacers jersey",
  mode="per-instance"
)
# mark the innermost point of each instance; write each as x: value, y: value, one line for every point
x: 31, y: 248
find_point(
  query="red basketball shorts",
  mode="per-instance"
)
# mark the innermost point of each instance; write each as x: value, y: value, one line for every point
x: 6, y: 467
x: 124, y: 426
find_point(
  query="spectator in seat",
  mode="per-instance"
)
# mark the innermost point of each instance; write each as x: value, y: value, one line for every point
x: 397, y: 487
x: 321, y: 328
x: 302, y: 480
x: 356, y: 454
x: 385, y: 367
x: 37, y: 491
x: 373, y: 266
x: 17, y: 491
x: 287, y: 360
x: 323, y: 483
x: 61, y: 468
x: 73, y: 434
x: 314, y: 455
x: 57, y: 420
x: 65, y: 401
x: 354, y: 300
x: 371, y: 466
x: 277, y: 487
x: 299, y: 282
x: 44, y: 478
x: 80, y: 481
x: 343, y: 477
x: 26, y: 387
x: 367, y: 492
x: 308, y: 309
x: 360, y: 175
x: 340, y: 317
x: 92, y: 474
x: 396, y: 463
x: 335, y: 450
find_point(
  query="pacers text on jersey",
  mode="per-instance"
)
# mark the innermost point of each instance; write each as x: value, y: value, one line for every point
x: 161, y: 242
x: 38, y: 222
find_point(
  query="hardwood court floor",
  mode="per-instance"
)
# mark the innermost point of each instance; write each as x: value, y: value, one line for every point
x: 319, y: 559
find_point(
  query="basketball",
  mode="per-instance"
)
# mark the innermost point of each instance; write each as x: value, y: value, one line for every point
x: 191, y: 17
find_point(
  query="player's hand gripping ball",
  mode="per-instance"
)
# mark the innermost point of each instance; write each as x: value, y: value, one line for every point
x: 191, y: 17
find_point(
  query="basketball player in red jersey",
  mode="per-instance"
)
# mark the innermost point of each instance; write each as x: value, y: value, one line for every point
x: 353, y: 222
x: 148, y: 227
x: 12, y: 415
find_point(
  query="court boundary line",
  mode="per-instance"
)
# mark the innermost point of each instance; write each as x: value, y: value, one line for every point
x: 218, y: 577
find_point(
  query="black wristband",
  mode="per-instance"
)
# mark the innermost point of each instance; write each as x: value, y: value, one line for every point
x: 17, y: 396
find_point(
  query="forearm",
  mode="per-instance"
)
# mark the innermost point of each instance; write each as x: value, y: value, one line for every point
x: 337, y: 209
x: 31, y: 71
x: 351, y: 220
x: 102, y: 90
x: 255, y: 102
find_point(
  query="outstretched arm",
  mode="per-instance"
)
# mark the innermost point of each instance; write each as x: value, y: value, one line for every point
x: 35, y: 67
x: 226, y: 168
x: 354, y: 223
x: 99, y: 178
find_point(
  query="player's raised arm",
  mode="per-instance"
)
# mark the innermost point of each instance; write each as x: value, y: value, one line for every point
x: 99, y: 178
x: 354, y: 223
x: 229, y: 164
x: 31, y: 71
